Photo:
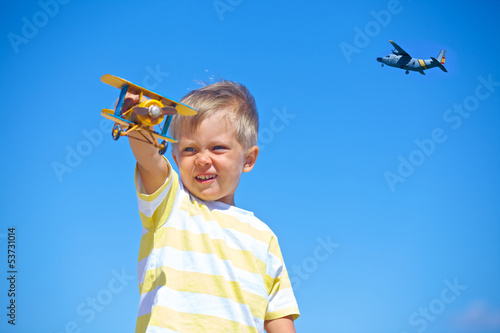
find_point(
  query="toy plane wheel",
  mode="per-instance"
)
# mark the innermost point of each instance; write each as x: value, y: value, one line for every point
x: 163, y: 147
x: 116, y: 132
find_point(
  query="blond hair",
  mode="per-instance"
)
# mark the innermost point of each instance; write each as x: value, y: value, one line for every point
x: 226, y: 99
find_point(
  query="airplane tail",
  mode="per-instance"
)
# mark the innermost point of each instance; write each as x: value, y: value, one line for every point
x: 442, y: 56
x: 440, y: 60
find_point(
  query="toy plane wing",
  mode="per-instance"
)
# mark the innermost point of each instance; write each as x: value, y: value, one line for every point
x: 399, y: 49
x: 109, y: 114
x: 119, y: 83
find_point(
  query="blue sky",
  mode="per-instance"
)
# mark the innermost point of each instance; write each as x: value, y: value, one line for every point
x: 383, y: 188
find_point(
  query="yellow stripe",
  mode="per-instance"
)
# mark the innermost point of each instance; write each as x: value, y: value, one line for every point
x: 207, y: 284
x: 278, y: 283
x: 191, y: 322
x: 422, y: 63
x: 163, y: 211
x: 292, y: 311
x: 269, y: 282
x: 225, y: 220
x: 274, y: 248
x: 142, y: 323
x: 185, y: 240
x: 146, y: 245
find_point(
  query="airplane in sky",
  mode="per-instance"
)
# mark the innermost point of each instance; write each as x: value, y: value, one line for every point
x: 401, y: 59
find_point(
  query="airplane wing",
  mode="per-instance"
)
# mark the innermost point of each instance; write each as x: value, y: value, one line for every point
x: 399, y: 49
x: 109, y: 114
x: 118, y: 82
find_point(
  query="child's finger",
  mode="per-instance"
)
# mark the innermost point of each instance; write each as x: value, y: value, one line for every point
x: 130, y: 100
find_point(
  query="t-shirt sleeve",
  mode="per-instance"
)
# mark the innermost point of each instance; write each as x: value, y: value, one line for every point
x: 154, y: 209
x: 282, y: 300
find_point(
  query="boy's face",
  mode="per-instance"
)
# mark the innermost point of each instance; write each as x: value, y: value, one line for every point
x: 211, y: 160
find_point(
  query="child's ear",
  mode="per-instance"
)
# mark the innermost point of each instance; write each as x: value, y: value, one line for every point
x: 250, y: 158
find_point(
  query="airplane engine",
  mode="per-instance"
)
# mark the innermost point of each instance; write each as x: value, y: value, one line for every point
x: 149, y: 112
x: 395, y: 52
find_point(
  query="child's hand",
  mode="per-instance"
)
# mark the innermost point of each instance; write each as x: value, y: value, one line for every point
x: 131, y: 99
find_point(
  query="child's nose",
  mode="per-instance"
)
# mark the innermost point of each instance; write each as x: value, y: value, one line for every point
x: 203, y: 159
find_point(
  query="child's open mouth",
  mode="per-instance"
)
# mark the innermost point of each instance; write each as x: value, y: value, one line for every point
x: 205, y: 178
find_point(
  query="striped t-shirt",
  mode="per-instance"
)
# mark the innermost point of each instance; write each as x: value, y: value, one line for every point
x: 207, y: 266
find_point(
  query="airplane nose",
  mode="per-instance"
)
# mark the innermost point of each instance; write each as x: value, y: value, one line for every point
x: 379, y: 59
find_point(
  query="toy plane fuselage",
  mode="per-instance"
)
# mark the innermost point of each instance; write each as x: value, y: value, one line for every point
x: 401, y: 59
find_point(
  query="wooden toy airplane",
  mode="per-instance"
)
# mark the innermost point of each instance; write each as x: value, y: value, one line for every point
x: 144, y: 116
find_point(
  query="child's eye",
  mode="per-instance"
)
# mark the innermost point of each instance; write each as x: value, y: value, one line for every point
x: 188, y: 149
x: 219, y: 148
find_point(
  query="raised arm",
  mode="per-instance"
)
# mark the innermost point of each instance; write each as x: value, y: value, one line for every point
x: 151, y: 165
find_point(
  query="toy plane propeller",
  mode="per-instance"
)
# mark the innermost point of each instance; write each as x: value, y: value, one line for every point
x: 401, y: 59
x: 145, y: 115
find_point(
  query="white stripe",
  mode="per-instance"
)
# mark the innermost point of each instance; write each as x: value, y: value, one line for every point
x: 146, y: 303
x: 141, y: 269
x: 181, y: 220
x: 283, y: 299
x: 205, y: 263
x: 240, y: 214
x: 274, y: 266
x: 148, y: 207
x: 197, y: 304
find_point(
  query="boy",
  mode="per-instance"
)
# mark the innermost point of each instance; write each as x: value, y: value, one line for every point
x: 205, y: 265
